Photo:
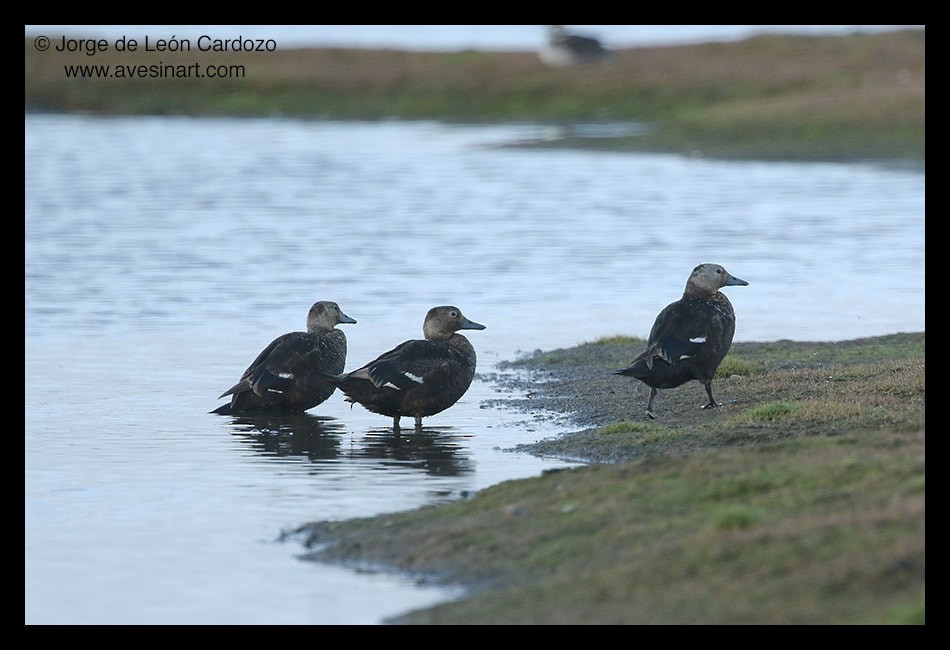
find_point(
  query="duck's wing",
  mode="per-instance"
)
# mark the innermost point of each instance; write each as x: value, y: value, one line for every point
x: 243, y: 383
x: 275, y: 368
x: 410, y: 364
x: 680, y: 331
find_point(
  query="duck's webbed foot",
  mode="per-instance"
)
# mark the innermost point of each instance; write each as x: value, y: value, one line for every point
x: 712, y: 400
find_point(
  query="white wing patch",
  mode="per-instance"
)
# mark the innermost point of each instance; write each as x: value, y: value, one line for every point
x: 282, y: 375
x: 411, y: 376
x: 695, y: 339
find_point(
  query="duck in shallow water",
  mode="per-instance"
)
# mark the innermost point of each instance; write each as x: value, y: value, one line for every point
x: 420, y: 377
x: 286, y: 376
x: 690, y: 337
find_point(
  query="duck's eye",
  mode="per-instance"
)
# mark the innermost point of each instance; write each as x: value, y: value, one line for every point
x: 453, y: 314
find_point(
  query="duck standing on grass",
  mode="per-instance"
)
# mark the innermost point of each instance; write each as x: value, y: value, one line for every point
x: 285, y: 377
x: 417, y: 378
x: 690, y: 337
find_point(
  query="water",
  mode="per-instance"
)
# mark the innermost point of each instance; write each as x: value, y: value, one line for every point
x: 163, y: 253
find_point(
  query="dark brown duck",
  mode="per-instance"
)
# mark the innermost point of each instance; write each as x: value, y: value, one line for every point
x: 690, y: 337
x: 420, y: 377
x: 286, y: 376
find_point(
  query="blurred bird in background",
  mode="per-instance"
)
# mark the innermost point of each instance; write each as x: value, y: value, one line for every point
x: 564, y: 49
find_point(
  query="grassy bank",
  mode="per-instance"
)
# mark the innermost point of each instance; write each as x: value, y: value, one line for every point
x: 773, y: 97
x: 800, y: 501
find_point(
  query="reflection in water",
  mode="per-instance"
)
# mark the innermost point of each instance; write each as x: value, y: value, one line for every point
x: 316, y: 437
x: 438, y: 451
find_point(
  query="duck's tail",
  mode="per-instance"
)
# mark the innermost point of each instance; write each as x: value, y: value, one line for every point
x: 224, y: 409
x: 635, y: 370
x: 330, y: 378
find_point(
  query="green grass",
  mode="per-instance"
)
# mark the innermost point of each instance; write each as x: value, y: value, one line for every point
x: 770, y: 412
x: 800, y: 501
x: 626, y: 427
x: 824, y: 531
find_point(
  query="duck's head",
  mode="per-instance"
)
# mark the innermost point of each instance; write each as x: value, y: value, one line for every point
x: 707, y: 279
x: 442, y: 322
x: 324, y: 315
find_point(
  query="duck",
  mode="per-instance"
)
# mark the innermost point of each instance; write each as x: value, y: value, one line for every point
x: 690, y: 337
x: 564, y: 49
x: 286, y: 376
x: 419, y: 377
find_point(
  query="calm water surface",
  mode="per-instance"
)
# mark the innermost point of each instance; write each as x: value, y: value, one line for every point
x: 162, y: 254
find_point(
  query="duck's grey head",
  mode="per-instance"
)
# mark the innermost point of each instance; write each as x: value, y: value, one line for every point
x: 707, y: 279
x: 442, y: 322
x: 324, y: 315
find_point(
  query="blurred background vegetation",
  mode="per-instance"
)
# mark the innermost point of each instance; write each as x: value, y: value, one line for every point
x: 858, y: 96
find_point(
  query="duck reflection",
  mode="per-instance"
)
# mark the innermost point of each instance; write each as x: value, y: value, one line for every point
x: 438, y: 451
x: 302, y: 434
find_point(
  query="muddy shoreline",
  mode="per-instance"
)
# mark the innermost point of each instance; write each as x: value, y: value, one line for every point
x: 577, y: 386
x: 800, y: 500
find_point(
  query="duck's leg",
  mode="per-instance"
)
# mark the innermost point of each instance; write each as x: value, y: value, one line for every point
x: 418, y: 423
x: 395, y: 424
x: 653, y: 392
x: 712, y: 402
